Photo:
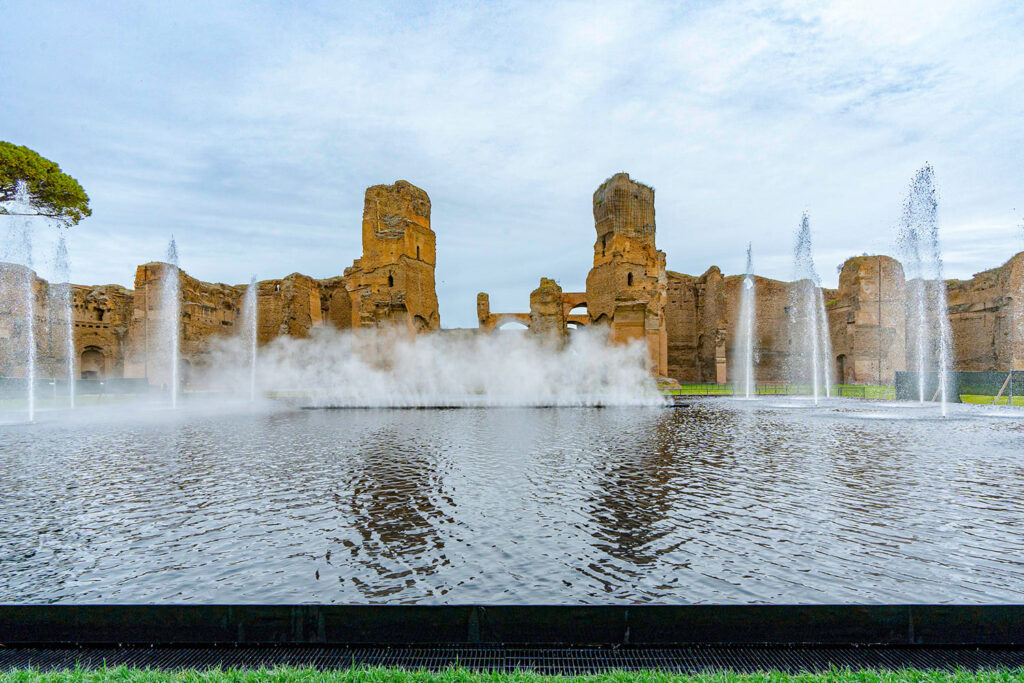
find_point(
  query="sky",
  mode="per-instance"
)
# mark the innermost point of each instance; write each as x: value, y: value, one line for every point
x: 250, y: 131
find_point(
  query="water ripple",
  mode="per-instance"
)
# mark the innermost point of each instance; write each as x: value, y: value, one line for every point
x: 724, y: 502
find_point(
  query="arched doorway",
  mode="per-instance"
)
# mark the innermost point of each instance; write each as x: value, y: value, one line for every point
x: 841, y: 368
x: 93, y: 363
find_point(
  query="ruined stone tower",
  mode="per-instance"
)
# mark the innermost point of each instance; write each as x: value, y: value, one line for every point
x: 626, y: 288
x: 547, y: 314
x: 393, y: 282
x: 868, y: 320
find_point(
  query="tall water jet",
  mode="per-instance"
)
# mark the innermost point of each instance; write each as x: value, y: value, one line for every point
x: 171, y: 308
x: 745, y: 328
x: 19, y: 283
x: 30, y: 315
x: 66, y: 321
x: 922, y: 259
x: 250, y: 313
x: 813, y: 357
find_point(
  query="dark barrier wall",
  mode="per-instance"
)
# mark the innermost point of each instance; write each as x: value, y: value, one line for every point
x: 977, y: 383
x: 651, y: 625
x: 989, y: 383
x: 907, y: 383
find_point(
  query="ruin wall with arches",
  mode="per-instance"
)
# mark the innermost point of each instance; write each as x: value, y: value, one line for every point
x: 686, y: 323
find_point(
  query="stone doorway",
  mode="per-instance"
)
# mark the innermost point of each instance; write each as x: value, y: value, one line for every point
x: 93, y: 363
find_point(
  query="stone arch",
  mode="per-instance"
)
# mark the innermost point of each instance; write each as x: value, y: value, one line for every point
x: 515, y: 322
x: 578, y: 316
x: 92, y: 364
x: 575, y: 301
x: 493, y: 321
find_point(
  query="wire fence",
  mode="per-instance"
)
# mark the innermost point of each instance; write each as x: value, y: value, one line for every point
x: 962, y: 385
x: 781, y: 389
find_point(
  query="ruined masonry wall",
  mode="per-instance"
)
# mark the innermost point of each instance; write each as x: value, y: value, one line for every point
x: 986, y: 315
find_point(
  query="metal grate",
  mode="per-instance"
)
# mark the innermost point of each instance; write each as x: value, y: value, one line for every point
x: 566, y: 661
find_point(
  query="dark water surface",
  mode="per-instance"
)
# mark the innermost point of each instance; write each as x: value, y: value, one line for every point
x: 722, y: 502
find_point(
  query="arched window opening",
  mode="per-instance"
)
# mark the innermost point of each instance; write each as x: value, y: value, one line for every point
x: 91, y: 365
x: 391, y: 280
x: 578, y: 316
x: 417, y: 252
x: 512, y: 325
x: 629, y: 279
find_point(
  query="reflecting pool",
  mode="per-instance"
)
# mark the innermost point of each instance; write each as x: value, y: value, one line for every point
x: 767, y: 501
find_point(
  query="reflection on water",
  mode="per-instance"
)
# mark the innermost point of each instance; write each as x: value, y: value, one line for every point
x: 722, y: 502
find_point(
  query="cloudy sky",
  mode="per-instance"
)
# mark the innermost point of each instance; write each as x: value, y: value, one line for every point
x: 250, y: 130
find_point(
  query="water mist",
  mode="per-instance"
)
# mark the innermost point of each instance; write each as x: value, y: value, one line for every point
x: 18, y: 285
x: 171, y: 309
x: 66, y: 322
x: 389, y: 369
x: 813, y: 358
x: 250, y: 328
x: 922, y: 260
x: 745, y: 330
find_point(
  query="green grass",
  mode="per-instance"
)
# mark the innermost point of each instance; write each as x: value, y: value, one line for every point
x: 842, y: 390
x: 848, y: 390
x: 380, y: 675
x: 45, y: 400
x: 987, y: 400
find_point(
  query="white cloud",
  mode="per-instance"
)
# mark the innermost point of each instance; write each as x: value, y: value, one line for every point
x: 251, y: 133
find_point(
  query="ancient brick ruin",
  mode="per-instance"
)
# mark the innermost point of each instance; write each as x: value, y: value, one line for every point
x: 393, y: 282
x: 687, y: 323
x: 626, y: 288
x: 116, y: 330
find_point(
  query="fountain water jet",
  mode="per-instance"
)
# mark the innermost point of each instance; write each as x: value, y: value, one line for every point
x: 808, y: 314
x: 30, y: 323
x: 62, y: 268
x: 250, y: 313
x: 745, y: 328
x: 922, y: 257
x: 171, y: 306
x: 18, y: 248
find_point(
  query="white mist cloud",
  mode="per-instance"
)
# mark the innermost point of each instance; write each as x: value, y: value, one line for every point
x: 381, y: 369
